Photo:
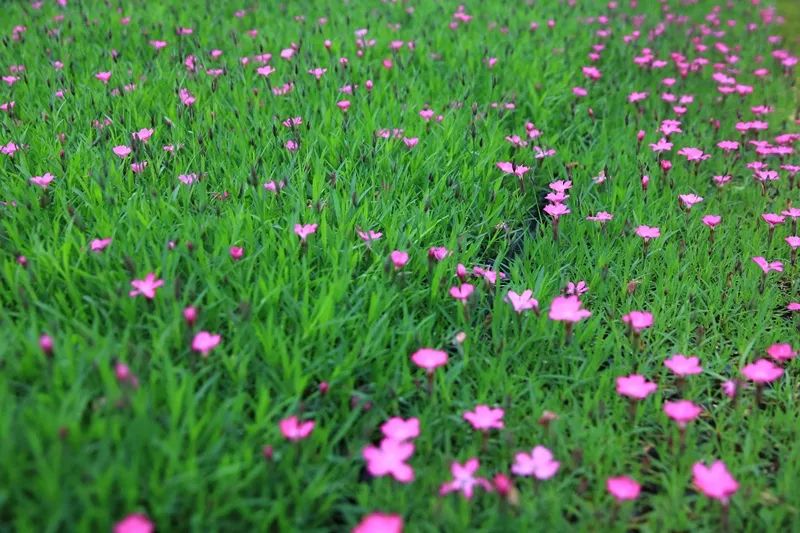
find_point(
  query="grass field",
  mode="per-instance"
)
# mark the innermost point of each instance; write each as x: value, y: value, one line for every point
x: 209, y: 321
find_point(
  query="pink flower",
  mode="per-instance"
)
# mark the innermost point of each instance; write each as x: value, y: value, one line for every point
x: 647, y: 233
x: 121, y: 151
x: 124, y: 375
x: 294, y: 430
x: 143, y: 134
x: 369, y: 236
x: 567, y: 309
x: 134, y: 523
x: 204, y: 342
x: 712, y: 220
x: 410, y: 142
x: 190, y: 315
x: 390, y: 459
x: 601, y: 217
x: 380, y: 523
x: 462, y: 292
x: 138, y: 167
x: 236, y: 252
x: 464, y: 480
x: 437, y: 253
x: 781, y: 352
x: 265, y: 71
x: 773, y: 219
x: 317, y: 72
x: 762, y: 371
x: 623, y: 488
x: 635, y: 386
x: 429, y: 358
x: 663, y: 145
x: 539, y: 463
x: 715, y: 482
x: 98, y: 245
x: 729, y: 388
x: 556, y: 210
x: 511, y: 168
x: 682, y: 411
x: 304, y: 230
x: 793, y: 241
x: 683, y: 366
x: 693, y: 154
x: 522, y: 302
x: 577, y: 288
x: 46, y: 344
x: 344, y: 105
x: 103, y: 76
x: 399, y: 259
x: 484, y: 418
x: 767, y: 266
x: 188, y: 179
x: 638, y: 320
x: 721, y: 180
x: 401, y: 430
x: 688, y: 200
x: 146, y: 287
x: 43, y: 181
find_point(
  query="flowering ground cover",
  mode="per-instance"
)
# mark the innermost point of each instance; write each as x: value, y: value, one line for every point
x: 384, y: 266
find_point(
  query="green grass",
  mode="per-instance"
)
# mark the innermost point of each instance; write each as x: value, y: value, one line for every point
x: 81, y: 451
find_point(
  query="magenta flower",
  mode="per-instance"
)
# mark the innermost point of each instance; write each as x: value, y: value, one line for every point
x: 781, y: 352
x: 390, y: 459
x: 464, y: 480
x: 522, y: 302
x: 401, y: 430
x: 638, y: 321
x: 682, y: 411
x: 304, y: 230
x: 42, y: 181
x: 204, y: 342
x: 462, y: 292
x: 134, y: 523
x: 344, y: 105
x: 772, y: 219
x: 236, y: 252
x: 767, y: 266
x: 429, y: 358
x: 715, y: 482
x: 98, y: 245
x: 567, y: 309
x: 188, y: 179
x: 143, y: 134
x: 729, y: 388
x: 484, y: 418
x: 539, y: 463
x: 46, y: 344
x: 635, y: 387
x: 103, y: 76
x: 623, y: 488
x: 683, y: 366
x: 762, y: 371
x: 601, y: 217
x: 399, y: 259
x: 437, y: 253
x: 146, y: 287
x: 380, y: 523
x: 512, y: 168
x: 369, y: 236
x: 712, y: 220
x: 576, y: 289
x: 294, y: 430
x: 647, y: 233
x: 124, y: 375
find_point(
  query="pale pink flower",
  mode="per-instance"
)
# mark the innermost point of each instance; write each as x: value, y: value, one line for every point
x: 762, y: 371
x: 683, y: 366
x: 188, y: 179
x: 344, y: 105
x: 304, y: 230
x: 122, y: 151
x: 139, y: 167
x: 556, y: 210
x: 567, y: 309
x: 577, y: 288
x: 682, y: 411
x: 98, y: 245
x: 42, y: 181
x: 511, y: 168
x: 689, y: 200
x: 623, y: 488
x: 484, y: 418
x: 715, y: 482
x: 522, y: 302
x: 204, y: 342
x: 294, y: 430
x: 712, y: 220
x: 103, y: 76
x: 635, y: 387
x: 146, y: 287
x: 390, y: 459
x: 729, y: 388
x: 143, y: 134
x: 601, y: 217
x: 638, y: 321
x: 539, y: 463
x: 767, y: 266
x: 369, y: 236
x: 401, y: 430
x: 647, y: 233
x: 464, y: 479
x: 793, y: 241
x: 429, y: 358
x: 773, y: 219
x: 462, y: 292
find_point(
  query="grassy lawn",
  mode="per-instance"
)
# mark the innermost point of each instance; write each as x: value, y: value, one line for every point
x: 324, y: 265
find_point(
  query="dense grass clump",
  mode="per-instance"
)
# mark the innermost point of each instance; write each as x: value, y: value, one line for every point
x: 326, y: 265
